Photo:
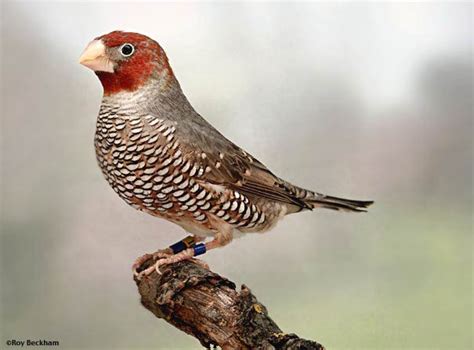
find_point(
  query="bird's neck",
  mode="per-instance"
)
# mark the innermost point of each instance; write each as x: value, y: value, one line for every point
x: 159, y: 96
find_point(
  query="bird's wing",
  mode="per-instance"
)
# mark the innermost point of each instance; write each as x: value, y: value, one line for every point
x: 227, y: 164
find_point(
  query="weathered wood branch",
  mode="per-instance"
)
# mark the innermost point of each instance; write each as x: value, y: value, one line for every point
x: 208, y: 307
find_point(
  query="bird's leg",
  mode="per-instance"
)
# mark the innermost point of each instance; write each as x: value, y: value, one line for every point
x: 198, y: 249
x: 175, y: 248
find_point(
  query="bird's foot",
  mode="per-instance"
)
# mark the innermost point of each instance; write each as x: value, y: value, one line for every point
x: 160, y: 254
x: 164, y: 257
x: 166, y: 260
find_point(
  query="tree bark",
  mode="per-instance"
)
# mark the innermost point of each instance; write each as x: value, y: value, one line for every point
x: 207, y: 306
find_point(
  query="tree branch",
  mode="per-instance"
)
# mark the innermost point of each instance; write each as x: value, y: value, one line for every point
x: 208, y: 307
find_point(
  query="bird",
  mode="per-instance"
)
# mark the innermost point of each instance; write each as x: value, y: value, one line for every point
x: 163, y: 158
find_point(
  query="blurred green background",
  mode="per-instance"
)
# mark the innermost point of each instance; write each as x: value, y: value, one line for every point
x: 365, y: 100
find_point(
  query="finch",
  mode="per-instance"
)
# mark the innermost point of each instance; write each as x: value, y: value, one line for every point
x: 163, y: 158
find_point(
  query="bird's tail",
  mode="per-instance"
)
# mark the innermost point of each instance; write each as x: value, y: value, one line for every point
x: 335, y: 203
x: 311, y: 200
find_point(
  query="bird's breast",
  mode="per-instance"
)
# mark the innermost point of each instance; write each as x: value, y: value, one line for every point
x: 143, y: 161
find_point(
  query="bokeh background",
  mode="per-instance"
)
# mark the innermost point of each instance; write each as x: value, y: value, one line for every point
x: 366, y: 100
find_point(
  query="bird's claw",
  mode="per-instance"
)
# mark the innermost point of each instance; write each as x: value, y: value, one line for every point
x: 162, y: 260
x: 159, y: 255
x: 163, y: 257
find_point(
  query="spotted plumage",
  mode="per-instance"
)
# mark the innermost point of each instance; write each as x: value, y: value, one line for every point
x: 163, y: 158
x: 145, y: 164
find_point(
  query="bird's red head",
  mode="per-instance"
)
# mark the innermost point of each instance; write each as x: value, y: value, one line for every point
x: 125, y: 61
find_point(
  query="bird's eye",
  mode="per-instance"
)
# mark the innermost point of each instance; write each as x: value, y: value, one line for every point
x: 127, y: 50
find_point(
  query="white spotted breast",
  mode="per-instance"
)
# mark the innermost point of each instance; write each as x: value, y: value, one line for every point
x: 144, y: 163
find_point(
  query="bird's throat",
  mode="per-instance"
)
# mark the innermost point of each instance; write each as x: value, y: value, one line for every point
x: 121, y: 82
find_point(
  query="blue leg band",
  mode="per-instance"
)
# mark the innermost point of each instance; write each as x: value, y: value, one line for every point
x: 199, y: 249
x: 185, y: 243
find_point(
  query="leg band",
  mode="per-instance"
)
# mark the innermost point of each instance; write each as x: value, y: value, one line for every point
x: 199, y: 249
x: 185, y: 243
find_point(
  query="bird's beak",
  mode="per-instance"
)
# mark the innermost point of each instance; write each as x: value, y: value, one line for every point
x: 95, y: 58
